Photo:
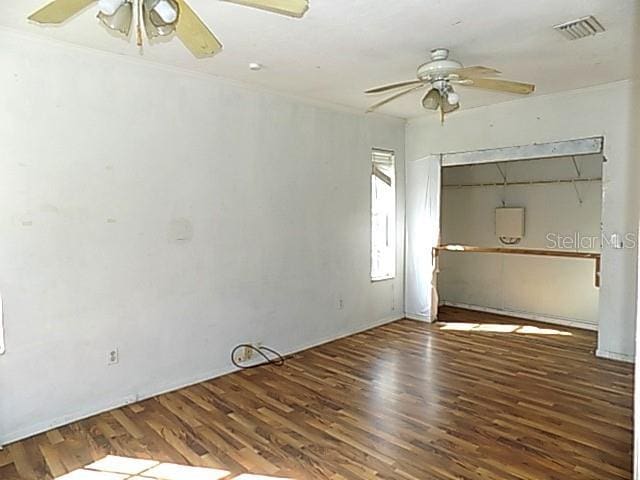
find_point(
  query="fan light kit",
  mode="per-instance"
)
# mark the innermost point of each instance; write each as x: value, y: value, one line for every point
x: 439, y: 75
x: 160, y: 18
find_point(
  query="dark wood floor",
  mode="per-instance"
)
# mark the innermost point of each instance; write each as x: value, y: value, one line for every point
x: 404, y: 401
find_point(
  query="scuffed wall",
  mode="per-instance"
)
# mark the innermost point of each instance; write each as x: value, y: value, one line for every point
x: 170, y: 216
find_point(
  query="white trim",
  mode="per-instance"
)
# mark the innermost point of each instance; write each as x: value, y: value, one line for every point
x: 2, y: 344
x: 621, y: 357
x: 348, y: 333
x: 567, y: 322
x: 422, y: 200
x: 420, y: 318
x: 199, y: 378
x: 63, y: 420
x: 583, y: 146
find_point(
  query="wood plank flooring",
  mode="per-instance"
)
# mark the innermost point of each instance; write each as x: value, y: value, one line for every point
x: 404, y: 401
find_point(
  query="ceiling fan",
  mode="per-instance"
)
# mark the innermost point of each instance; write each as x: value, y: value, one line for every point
x: 160, y: 18
x: 439, y: 75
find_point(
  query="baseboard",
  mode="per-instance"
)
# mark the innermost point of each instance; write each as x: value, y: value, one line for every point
x: 61, y: 421
x: 420, y: 318
x: 98, y: 409
x: 621, y: 357
x: 567, y: 322
x: 348, y: 333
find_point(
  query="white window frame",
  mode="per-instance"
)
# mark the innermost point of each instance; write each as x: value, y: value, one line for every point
x: 383, y: 167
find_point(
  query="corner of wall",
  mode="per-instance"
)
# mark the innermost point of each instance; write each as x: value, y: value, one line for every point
x: 621, y: 357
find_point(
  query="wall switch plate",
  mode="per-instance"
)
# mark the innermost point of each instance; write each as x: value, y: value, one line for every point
x: 238, y: 355
x: 114, y: 357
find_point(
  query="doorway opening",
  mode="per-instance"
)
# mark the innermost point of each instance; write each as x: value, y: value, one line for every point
x: 523, y: 238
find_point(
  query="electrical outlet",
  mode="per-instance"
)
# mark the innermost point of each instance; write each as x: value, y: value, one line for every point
x: 243, y: 355
x: 114, y: 357
x: 340, y: 303
x: 248, y: 353
x: 238, y: 355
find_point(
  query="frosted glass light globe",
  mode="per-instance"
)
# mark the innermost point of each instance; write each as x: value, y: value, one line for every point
x: 109, y: 7
x: 453, y: 98
x: 166, y: 12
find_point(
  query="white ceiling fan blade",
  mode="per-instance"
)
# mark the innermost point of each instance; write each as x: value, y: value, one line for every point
x: 291, y: 8
x: 392, y: 97
x: 195, y: 35
x: 461, y: 81
x: 58, y: 11
x: 476, y: 72
x: 501, y: 85
x: 392, y: 86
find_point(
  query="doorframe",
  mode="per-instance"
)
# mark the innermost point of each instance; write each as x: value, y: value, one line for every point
x: 534, y: 151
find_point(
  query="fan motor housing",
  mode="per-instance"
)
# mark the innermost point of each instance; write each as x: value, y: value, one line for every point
x: 440, y: 67
x: 437, y: 69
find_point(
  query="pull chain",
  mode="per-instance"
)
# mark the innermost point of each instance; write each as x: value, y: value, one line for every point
x: 139, y: 23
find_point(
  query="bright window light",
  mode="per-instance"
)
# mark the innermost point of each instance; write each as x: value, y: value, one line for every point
x: 383, y: 215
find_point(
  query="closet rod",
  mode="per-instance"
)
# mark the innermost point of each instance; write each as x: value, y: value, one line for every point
x: 535, y: 182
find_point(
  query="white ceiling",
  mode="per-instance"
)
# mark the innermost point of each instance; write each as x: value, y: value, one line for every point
x: 342, y: 47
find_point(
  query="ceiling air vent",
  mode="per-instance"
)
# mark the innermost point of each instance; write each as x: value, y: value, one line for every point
x: 581, y: 28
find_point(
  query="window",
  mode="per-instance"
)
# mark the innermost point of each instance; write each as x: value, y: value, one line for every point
x: 383, y: 215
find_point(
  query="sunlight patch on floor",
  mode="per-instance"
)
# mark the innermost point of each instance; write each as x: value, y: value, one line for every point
x: 501, y: 328
x: 81, y: 474
x: 113, y: 467
x: 115, y: 464
x: 250, y: 476
x: 171, y: 471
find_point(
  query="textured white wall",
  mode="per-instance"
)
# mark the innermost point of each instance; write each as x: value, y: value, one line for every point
x: 557, y: 289
x: 599, y: 111
x: 172, y: 216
